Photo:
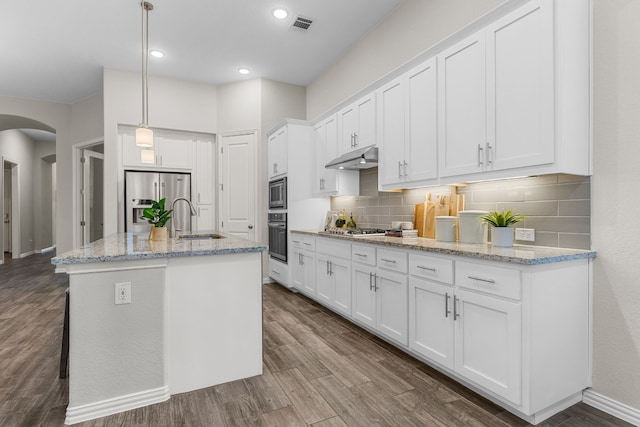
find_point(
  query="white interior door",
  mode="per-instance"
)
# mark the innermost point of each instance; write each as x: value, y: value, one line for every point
x: 92, y: 196
x: 238, y: 185
x: 6, y: 214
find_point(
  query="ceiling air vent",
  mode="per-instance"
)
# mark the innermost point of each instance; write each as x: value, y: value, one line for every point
x: 301, y: 23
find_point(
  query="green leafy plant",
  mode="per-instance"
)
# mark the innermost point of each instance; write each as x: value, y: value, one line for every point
x: 157, y: 215
x: 503, y: 218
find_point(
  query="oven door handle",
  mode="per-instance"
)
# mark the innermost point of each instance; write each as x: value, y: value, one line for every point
x: 278, y: 225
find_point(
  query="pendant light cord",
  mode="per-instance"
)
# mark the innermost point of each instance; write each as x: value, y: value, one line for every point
x: 146, y: 7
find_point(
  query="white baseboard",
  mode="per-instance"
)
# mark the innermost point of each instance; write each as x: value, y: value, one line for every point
x: 267, y: 280
x: 118, y: 404
x: 45, y: 250
x: 612, y: 407
x: 26, y: 254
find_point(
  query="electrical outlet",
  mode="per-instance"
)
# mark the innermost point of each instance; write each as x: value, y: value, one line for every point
x: 526, y: 234
x: 123, y: 293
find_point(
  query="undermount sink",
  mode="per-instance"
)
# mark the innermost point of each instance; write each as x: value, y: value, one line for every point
x: 206, y: 236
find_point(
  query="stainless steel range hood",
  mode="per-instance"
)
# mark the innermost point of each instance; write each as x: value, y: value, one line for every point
x: 363, y: 158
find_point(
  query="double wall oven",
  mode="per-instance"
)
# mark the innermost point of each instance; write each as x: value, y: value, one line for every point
x: 277, y: 219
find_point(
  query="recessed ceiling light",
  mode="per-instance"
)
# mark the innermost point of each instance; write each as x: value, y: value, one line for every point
x: 156, y: 53
x: 244, y: 70
x: 280, y: 13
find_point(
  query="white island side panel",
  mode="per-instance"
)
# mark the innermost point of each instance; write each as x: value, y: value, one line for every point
x: 215, y: 320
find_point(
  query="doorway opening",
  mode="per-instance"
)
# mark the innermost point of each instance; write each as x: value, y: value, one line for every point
x: 10, y: 210
x: 89, y: 182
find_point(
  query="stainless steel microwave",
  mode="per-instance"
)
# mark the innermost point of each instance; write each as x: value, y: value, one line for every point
x: 278, y: 194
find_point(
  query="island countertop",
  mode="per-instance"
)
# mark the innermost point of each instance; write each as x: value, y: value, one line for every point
x: 137, y: 246
x: 518, y: 254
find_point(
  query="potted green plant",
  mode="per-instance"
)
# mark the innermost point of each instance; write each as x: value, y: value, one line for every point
x: 501, y: 232
x: 158, y: 217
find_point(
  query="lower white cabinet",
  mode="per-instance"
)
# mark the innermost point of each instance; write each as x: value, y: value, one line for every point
x: 380, y: 298
x: 518, y: 334
x: 303, y: 264
x: 333, y: 275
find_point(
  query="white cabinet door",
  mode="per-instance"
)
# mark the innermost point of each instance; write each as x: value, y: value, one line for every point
x: 341, y: 274
x: 324, y: 281
x: 488, y: 339
x: 309, y: 272
x: 462, y: 107
x: 278, y: 156
x: 175, y: 153
x: 347, y: 126
x: 329, y: 185
x: 297, y: 263
x: 205, y: 221
x: 363, y: 294
x: 366, y: 122
x: 431, y: 320
x: 391, y: 316
x: 357, y: 124
x: 391, y: 132
x: 520, y: 88
x: 421, y: 119
x: 204, y: 172
x: 319, y: 144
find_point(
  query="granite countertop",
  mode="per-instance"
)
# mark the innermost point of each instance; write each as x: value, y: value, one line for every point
x: 518, y: 254
x: 137, y: 246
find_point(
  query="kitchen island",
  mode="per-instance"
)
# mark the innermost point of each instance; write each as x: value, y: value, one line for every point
x: 190, y: 317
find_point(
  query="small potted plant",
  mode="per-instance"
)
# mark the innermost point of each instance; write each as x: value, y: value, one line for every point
x: 158, y: 217
x: 501, y: 232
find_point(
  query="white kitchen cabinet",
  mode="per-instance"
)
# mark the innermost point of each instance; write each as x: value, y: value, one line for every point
x: 357, y: 124
x: 380, y: 296
x: 431, y: 320
x: 333, y: 274
x: 407, y: 128
x: 488, y: 348
x: 204, y: 171
x: 304, y: 278
x: 169, y: 151
x: 496, y: 95
x: 278, y: 153
x: 331, y: 182
x: 205, y: 220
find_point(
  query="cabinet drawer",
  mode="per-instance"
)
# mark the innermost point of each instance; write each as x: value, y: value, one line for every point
x: 429, y: 267
x: 394, y: 261
x: 505, y: 282
x: 296, y: 241
x: 364, y: 254
x: 309, y: 244
x: 334, y: 248
x: 278, y: 272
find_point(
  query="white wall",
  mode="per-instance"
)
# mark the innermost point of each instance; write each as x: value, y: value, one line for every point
x: 616, y: 233
x: 44, y: 155
x: 412, y: 28
x: 173, y: 104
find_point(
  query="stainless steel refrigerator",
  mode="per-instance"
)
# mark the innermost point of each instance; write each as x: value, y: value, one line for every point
x: 142, y: 187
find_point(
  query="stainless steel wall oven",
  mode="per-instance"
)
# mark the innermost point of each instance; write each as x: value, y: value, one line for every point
x: 277, y: 222
x: 278, y: 193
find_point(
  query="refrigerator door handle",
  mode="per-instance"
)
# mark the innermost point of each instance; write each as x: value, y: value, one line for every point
x: 155, y: 189
x: 163, y: 195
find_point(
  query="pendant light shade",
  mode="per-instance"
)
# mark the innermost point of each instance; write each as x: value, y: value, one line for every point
x: 144, y: 135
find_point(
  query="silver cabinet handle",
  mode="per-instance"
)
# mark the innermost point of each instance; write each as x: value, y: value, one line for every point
x: 375, y: 282
x: 481, y: 279
x: 296, y: 241
x: 307, y: 244
x: 489, y: 150
x: 480, y: 150
x: 330, y: 268
x: 446, y: 305
x: 355, y: 140
x: 422, y: 267
x: 155, y: 190
x: 328, y: 274
x: 405, y: 167
x: 399, y: 169
x: 455, y: 308
x: 361, y: 255
x: 392, y: 261
x: 164, y: 192
x: 370, y: 281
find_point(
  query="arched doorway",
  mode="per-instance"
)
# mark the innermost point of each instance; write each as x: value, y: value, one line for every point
x: 27, y: 155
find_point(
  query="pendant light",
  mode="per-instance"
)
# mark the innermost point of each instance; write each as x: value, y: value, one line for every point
x: 144, y: 135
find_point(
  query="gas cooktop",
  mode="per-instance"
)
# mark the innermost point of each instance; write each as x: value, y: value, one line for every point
x: 356, y: 232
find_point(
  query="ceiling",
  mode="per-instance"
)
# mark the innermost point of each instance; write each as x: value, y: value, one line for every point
x: 56, y: 51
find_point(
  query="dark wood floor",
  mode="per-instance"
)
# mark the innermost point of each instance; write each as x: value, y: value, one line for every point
x: 319, y: 370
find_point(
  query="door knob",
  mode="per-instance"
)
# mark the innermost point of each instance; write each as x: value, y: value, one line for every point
x: 250, y: 227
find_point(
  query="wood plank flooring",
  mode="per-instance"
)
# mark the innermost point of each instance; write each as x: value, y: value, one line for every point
x: 319, y: 370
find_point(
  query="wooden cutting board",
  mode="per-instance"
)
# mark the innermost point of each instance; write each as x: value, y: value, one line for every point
x: 424, y: 217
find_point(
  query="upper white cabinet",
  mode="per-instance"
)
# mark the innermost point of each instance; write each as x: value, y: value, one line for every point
x: 331, y: 182
x: 278, y: 154
x: 357, y: 124
x: 169, y: 151
x: 497, y: 99
x: 407, y: 128
x: 203, y: 193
